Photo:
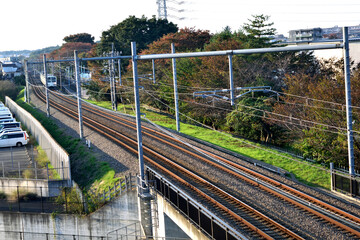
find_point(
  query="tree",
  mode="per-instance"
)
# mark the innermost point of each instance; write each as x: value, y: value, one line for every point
x: 185, y: 40
x: 143, y: 31
x: 67, y: 50
x: 326, y: 142
x: 20, y: 80
x: 257, y: 33
x: 80, y: 37
x: 247, y: 120
x: 8, y: 88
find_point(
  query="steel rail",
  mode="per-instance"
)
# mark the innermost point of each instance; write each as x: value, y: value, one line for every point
x: 289, y: 199
x: 87, y: 122
x: 238, y: 166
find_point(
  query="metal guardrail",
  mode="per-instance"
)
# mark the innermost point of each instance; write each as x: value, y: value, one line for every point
x: 345, y: 184
x: 119, y: 187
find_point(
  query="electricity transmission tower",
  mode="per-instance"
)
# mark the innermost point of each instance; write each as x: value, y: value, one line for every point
x: 163, y: 9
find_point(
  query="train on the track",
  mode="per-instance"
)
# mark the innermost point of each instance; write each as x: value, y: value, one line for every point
x: 51, y: 80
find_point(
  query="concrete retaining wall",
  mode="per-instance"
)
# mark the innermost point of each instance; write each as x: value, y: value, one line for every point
x: 58, y: 157
x: 120, y: 213
x: 43, y: 188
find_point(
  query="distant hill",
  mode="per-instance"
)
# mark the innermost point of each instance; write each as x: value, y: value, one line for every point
x: 32, y: 54
x: 15, y: 53
x: 36, y: 54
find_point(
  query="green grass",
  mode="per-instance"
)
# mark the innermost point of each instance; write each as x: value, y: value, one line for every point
x: 303, y: 172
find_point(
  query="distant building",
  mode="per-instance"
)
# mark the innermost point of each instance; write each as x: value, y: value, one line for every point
x: 336, y: 32
x: 278, y: 38
x: 10, y: 70
x: 318, y: 34
x: 310, y: 34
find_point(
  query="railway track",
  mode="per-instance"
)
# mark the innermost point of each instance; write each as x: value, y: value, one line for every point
x: 340, y: 218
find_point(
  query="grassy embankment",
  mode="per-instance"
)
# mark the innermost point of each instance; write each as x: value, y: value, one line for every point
x: 86, y: 168
x: 302, y: 171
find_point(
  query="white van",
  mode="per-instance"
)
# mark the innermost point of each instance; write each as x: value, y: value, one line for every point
x: 11, y: 139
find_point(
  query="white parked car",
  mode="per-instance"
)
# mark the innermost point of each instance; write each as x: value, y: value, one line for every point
x: 9, y: 125
x: 11, y: 139
x: 6, y: 120
x: 6, y: 130
x: 5, y: 114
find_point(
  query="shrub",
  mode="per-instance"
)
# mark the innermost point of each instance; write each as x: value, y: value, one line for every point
x: 71, y: 199
x: 23, y: 195
x: 28, y: 174
x: 29, y: 196
x: 3, y: 196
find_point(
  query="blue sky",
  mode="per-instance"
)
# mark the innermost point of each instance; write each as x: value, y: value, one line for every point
x: 41, y: 23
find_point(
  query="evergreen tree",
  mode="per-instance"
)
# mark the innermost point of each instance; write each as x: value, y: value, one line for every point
x: 258, y: 32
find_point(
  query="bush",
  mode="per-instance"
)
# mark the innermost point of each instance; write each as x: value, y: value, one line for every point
x: 20, y: 80
x: 29, y: 196
x: 28, y: 174
x: 3, y: 196
x: 23, y: 195
x: 71, y: 199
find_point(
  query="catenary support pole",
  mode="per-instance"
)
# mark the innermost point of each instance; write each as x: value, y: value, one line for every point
x: 114, y: 103
x: 348, y: 101
x: 78, y: 91
x: 111, y: 85
x: 46, y: 87
x: 111, y: 78
x: 119, y: 65
x: 60, y: 76
x: 231, y: 76
x: 175, y: 90
x: 26, y: 70
x: 143, y: 190
x: 137, y: 110
x: 153, y: 70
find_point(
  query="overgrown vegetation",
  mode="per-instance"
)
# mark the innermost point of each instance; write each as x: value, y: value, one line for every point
x: 71, y: 200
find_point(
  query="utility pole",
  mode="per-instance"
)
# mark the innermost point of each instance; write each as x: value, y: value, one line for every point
x: 78, y: 90
x: 46, y: 87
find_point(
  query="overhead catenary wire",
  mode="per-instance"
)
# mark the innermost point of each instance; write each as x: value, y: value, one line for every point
x: 245, y: 142
x: 291, y: 120
x: 302, y: 121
